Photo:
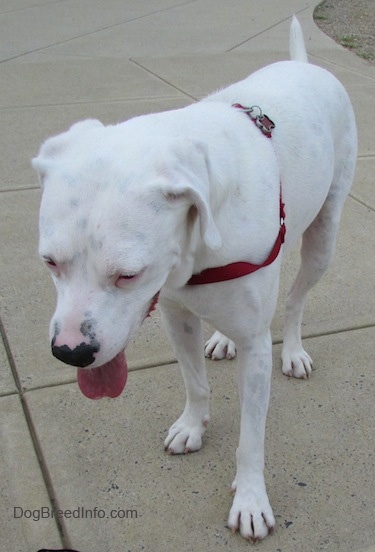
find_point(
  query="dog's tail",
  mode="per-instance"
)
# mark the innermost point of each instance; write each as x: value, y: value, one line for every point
x: 297, y: 48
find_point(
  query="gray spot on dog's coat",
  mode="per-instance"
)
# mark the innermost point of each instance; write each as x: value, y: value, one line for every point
x: 88, y: 328
x: 82, y: 223
x: 74, y: 202
x: 56, y: 328
x: 188, y: 329
x: 95, y: 243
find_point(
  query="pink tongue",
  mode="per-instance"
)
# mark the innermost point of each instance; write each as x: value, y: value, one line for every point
x: 106, y: 381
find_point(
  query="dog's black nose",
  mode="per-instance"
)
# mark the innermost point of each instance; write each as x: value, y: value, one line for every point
x: 81, y: 356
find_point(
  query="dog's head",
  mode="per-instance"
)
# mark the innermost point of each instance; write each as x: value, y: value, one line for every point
x: 122, y: 212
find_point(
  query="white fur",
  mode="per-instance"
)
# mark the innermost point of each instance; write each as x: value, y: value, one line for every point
x: 164, y: 196
x: 297, y: 47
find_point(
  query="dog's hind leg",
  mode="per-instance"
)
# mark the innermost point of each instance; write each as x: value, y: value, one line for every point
x: 318, y: 245
x: 184, y: 330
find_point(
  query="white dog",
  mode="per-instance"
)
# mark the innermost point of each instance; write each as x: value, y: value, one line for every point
x: 136, y: 209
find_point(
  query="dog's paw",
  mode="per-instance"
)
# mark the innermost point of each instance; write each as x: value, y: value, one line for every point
x: 219, y: 347
x: 296, y: 363
x: 185, y: 435
x: 251, y: 513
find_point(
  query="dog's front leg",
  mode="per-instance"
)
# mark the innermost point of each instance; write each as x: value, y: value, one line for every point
x: 251, y: 512
x: 184, y: 330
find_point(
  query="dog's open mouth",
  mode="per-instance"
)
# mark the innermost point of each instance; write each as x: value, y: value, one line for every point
x: 109, y: 379
x: 105, y: 381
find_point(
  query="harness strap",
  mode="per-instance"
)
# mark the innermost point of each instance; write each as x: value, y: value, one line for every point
x: 236, y: 270
x: 239, y: 269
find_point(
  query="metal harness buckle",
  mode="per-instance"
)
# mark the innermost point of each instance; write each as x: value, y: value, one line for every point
x: 262, y: 121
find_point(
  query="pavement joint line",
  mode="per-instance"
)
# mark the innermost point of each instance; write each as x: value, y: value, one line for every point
x: 99, y: 102
x: 42, y: 4
x: 10, y: 357
x: 9, y: 394
x: 343, y: 66
x: 266, y: 30
x: 333, y: 332
x: 60, y: 522
x: 361, y: 202
x: 169, y: 362
x: 163, y: 80
x: 33, y: 435
x: 94, y: 102
x: 15, y: 190
x: 71, y: 39
x: 48, y: 386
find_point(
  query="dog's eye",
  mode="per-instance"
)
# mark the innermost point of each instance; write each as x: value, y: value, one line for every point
x: 124, y: 278
x: 51, y: 264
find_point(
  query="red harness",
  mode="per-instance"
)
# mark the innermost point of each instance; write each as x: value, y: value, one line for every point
x: 236, y: 270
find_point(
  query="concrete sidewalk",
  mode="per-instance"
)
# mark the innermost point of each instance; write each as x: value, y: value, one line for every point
x: 62, y: 61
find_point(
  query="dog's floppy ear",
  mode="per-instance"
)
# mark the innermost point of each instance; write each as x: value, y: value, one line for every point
x: 190, y: 183
x: 208, y: 230
x: 54, y: 147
